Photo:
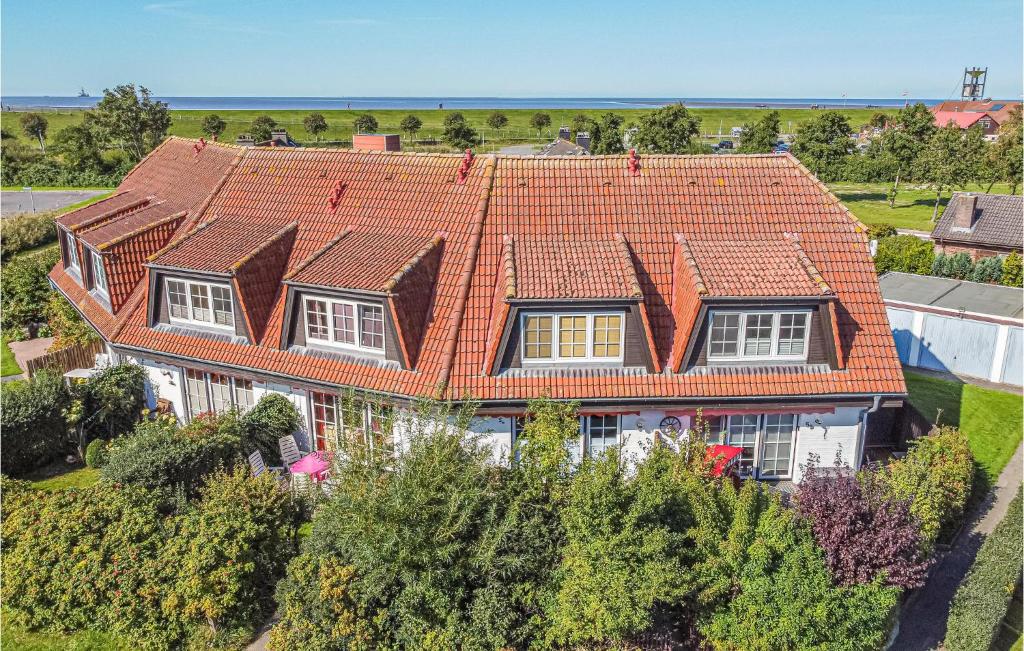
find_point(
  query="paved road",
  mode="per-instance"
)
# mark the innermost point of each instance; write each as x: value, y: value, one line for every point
x: 16, y: 202
x: 923, y: 618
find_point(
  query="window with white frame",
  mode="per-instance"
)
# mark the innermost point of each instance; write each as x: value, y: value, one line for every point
x: 758, y: 335
x: 767, y: 441
x: 200, y: 303
x: 99, y: 274
x: 69, y: 244
x: 353, y: 419
x: 575, y: 337
x: 325, y: 420
x: 602, y: 434
x: 742, y: 433
x: 347, y: 324
x: 777, y: 444
x: 216, y: 392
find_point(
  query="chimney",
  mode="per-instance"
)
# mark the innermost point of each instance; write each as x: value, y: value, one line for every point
x: 966, y: 205
x: 583, y: 139
x: 279, y: 137
x: 245, y: 140
x: 564, y: 133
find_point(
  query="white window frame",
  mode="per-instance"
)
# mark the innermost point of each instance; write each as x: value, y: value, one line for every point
x: 587, y: 423
x: 759, y: 444
x: 208, y: 392
x: 555, y: 357
x: 99, y: 273
x: 773, y: 353
x: 191, y: 320
x: 72, y: 248
x: 370, y: 414
x: 358, y: 322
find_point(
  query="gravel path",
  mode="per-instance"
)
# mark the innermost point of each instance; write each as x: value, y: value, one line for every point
x: 923, y: 618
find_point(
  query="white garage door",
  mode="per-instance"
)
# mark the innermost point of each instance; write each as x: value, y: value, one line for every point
x: 958, y: 345
x: 1013, y: 369
x: 902, y: 323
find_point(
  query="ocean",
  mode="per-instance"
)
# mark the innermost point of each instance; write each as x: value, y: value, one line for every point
x: 422, y: 103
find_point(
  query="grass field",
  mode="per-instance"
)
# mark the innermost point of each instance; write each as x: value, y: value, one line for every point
x: 19, y: 640
x: 7, y: 364
x: 60, y: 475
x: 992, y: 420
x: 914, y: 204
x: 187, y: 123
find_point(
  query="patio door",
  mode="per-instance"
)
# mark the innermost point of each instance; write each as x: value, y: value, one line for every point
x: 777, y: 446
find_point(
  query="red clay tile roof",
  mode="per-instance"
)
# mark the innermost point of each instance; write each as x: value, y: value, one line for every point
x: 705, y: 199
x: 756, y: 267
x: 116, y: 205
x: 129, y: 252
x: 371, y: 261
x: 998, y: 109
x: 102, y: 234
x: 572, y: 268
x: 217, y: 245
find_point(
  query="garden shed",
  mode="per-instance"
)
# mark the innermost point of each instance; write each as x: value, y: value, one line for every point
x: 967, y: 328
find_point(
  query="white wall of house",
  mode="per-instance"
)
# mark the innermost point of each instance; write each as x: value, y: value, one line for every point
x: 165, y: 382
x: 826, y: 435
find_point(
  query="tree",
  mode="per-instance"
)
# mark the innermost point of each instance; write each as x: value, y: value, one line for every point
x: 609, y: 135
x: 942, y: 163
x: 66, y: 324
x: 410, y: 125
x: 261, y: 127
x: 497, y: 120
x: 905, y: 253
x: 974, y: 152
x: 130, y: 119
x: 878, y: 120
x: 823, y: 143
x: 213, y: 126
x: 34, y: 126
x: 79, y: 147
x: 1013, y: 273
x: 315, y: 124
x: 25, y: 290
x: 668, y: 130
x: 458, y: 133
x: 911, y: 130
x: 866, y: 536
x: 540, y: 121
x: 1006, y: 156
x: 365, y: 123
x: 762, y: 136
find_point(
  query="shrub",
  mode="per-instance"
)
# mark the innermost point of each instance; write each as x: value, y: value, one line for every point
x: 988, y: 270
x: 940, y: 266
x: 33, y: 429
x: 1013, y: 273
x: 983, y: 598
x: 935, y: 476
x: 160, y: 455
x: 320, y: 607
x: 960, y: 266
x: 270, y: 419
x: 881, y: 231
x: 25, y: 289
x: 96, y: 453
x: 66, y: 325
x: 905, y: 253
x: 866, y: 536
x: 26, y: 231
x: 112, y: 401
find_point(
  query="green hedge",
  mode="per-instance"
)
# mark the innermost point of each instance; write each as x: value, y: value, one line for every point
x: 983, y: 598
x: 33, y: 429
x: 28, y: 230
x: 25, y: 291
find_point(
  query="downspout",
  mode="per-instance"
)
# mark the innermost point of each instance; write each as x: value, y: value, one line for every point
x: 862, y: 433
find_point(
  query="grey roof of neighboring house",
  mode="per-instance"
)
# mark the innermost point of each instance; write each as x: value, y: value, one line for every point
x: 562, y: 147
x: 999, y: 221
x: 952, y: 294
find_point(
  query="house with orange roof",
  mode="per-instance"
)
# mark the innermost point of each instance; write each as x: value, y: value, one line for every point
x: 987, y: 114
x: 647, y: 289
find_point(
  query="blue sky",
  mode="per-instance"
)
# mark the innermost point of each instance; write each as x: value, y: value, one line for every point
x: 623, y: 48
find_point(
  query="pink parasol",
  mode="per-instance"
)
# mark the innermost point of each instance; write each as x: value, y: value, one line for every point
x: 311, y: 464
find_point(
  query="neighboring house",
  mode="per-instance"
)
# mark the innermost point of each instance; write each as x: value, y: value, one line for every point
x: 562, y: 147
x: 278, y: 138
x: 981, y: 224
x: 990, y: 115
x: 952, y: 325
x: 644, y: 288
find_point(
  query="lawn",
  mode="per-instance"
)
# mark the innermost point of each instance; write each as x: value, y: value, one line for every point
x: 7, y: 364
x: 914, y: 204
x: 19, y: 640
x: 339, y: 122
x: 992, y: 420
x: 60, y: 475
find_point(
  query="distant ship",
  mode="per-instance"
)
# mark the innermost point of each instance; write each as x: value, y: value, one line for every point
x: 82, y: 93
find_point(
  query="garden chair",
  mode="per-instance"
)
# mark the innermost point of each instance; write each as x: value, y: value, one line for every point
x: 257, y: 464
x: 301, y: 484
x: 289, y: 450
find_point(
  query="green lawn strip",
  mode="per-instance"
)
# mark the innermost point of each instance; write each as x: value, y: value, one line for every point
x: 339, y: 121
x: 85, y: 202
x: 992, y: 420
x: 8, y: 365
x: 60, y: 475
x: 914, y: 204
x: 19, y: 640
x: 53, y: 188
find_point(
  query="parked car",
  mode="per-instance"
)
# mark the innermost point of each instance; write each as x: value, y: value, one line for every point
x: 725, y: 144
x: 781, y: 149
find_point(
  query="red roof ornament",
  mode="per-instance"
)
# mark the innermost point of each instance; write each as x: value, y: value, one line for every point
x: 634, y: 163
x: 336, y: 193
x: 199, y: 146
x: 467, y: 161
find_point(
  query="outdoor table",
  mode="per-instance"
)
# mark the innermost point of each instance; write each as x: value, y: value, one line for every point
x: 312, y: 465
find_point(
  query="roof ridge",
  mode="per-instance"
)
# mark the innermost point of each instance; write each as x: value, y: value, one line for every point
x: 412, y: 262
x: 142, y: 229
x: 691, y: 264
x: 807, y: 263
x: 623, y: 246
x: 316, y: 254
x: 186, y: 237
x: 509, y: 262
x: 235, y: 266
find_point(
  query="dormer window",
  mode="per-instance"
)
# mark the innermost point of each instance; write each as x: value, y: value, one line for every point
x: 72, y: 261
x: 750, y: 336
x: 99, y: 274
x: 346, y: 324
x: 200, y: 303
x: 572, y: 337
